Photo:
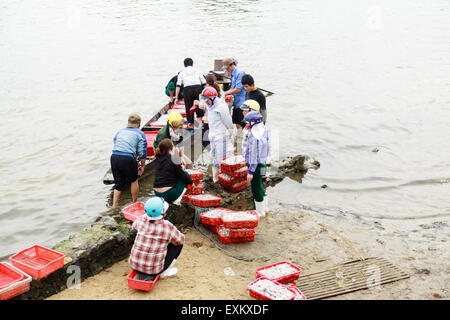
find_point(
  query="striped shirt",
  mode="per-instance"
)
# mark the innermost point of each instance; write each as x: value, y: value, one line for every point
x: 150, y: 246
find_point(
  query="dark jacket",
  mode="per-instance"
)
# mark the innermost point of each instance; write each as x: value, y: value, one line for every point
x: 168, y: 172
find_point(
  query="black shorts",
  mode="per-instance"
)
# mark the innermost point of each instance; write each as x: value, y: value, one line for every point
x: 238, y: 116
x: 124, y: 169
x: 192, y: 93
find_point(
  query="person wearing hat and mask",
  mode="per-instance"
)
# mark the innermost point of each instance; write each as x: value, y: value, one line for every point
x: 173, y: 131
x: 130, y: 145
x: 158, y: 242
x: 256, y: 154
x: 220, y: 126
x: 236, y: 90
x: 248, y: 106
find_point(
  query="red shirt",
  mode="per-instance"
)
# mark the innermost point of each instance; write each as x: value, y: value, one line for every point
x: 150, y: 246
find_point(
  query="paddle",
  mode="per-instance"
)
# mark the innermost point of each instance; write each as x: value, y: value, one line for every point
x: 219, y: 74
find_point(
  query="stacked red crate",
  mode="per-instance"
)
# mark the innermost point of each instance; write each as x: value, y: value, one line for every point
x: 233, y: 173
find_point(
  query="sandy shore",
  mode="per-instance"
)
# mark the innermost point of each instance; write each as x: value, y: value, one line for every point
x: 313, y: 241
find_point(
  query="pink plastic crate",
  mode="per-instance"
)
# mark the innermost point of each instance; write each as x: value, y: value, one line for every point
x: 204, y: 203
x: 13, y: 281
x: 139, y: 284
x: 38, y: 261
x: 235, y: 224
x: 260, y: 296
x: 133, y: 211
x: 284, y: 279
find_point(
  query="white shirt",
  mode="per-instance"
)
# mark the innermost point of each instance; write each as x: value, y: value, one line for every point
x: 219, y: 119
x: 190, y: 77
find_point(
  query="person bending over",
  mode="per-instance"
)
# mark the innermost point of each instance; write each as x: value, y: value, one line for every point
x: 158, y: 242
x: 170, y: 178
x: 129, y: 144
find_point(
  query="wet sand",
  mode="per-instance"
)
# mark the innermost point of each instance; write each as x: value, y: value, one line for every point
x: 311, y: 240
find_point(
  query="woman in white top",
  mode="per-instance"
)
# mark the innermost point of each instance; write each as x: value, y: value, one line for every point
x: 193, y: 82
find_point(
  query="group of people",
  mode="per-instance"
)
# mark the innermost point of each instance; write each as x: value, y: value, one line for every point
x: 158, y: 242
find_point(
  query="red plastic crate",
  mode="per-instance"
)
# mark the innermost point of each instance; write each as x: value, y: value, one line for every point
x: 157, y: 124
x: 226, y: 180
x: 38, y: 261
x: 238, y: 186
x: 211, y: 221
x: 224, y: 167
x: 150, y: 137
x: 179, y: 103
x: 284, y: 279
x: 195, y: 174
x: 13, y: 281
x: 260, y: 296
x: 196, y: 201
x: 133, y: 211
x: 195, y: 189
x: 236, y: 224
x: 139, y: 284
x: 234, y: 239
x: 298, y: 293
x: 239, y: 173
x: 227, y: 98
x: 186, y: 198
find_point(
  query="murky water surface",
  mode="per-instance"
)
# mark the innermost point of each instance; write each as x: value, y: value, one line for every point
x: 349, y: 76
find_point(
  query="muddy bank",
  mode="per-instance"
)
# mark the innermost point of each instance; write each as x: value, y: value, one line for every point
x: 313, y: 241
x: 110, y: 239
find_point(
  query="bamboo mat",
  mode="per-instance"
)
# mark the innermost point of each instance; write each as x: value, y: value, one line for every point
x: 348, y: 277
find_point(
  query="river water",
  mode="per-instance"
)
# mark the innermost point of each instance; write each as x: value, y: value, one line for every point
x: 349, y: 76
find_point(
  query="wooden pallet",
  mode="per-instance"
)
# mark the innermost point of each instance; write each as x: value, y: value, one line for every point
x: 348, y: 277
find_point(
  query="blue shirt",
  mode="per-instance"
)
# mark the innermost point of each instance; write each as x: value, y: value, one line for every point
x: 236, y: 82
x: 130, y: 142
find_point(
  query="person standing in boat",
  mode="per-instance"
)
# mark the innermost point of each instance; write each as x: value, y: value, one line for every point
x: 247, y: 107
x: 170, y: 89
x: 211, y: 81
x: 256, y: 154
x: 170, y: 178
x: 253, y: 93
x: 220, y: 126
x: 236, y: 90
x: 130, y: 144
x: 173, y: 131
x: 158, y: 242
x: 193, y: 81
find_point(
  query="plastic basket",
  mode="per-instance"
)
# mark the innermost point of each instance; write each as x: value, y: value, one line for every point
x: 186, y: 198
x: 236, y: 224
x: 133, y: 211
x: 298, y: 293
x: 226, y: 180
x: 243, y: 232
x: 38, y: 261
x: 226, y: 167
x: 238, y: 186
x: 150, y: 137
x: 203, y: 203
x: 209, y: 220
x: 260, y: 296
x: 196, y: 189
x: 13, y: 281
x: 195, y: 174
x: 239, y: 173
x: 157, y: 124
x: 234, y: 239
x: 139, y: 284
x: 284, y: 279
x: 227, y: 98
x: 180, y: 111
